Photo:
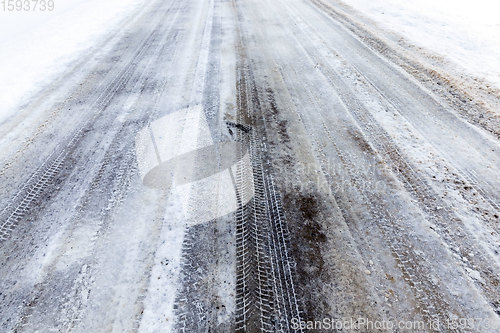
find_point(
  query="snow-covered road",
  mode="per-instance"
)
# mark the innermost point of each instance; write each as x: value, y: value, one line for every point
x: 250, y: 165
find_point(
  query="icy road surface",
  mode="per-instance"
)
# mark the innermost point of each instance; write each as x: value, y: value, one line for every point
x: 247, y: 165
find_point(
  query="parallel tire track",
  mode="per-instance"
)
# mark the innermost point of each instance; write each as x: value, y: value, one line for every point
x: 418, y: 187
x: 380, y: 47
x: 413, y: 266
x: 30, y: 193
x: 438, y: 82
x: 266, y: 298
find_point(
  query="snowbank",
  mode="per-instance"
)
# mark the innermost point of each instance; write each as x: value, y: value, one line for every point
x: 464, y: 31
x: 36, y: 46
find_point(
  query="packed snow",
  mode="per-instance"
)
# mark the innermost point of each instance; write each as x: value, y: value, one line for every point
x: 36, y: 46
x: 465, y: 32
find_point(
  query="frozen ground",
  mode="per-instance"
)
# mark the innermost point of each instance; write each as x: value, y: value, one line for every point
x: 244, y: 166
x: 37, y: 46
x: 467, y: 32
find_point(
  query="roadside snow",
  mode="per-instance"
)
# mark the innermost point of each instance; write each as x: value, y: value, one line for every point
x: 464, y: 31
x: 36, y: 46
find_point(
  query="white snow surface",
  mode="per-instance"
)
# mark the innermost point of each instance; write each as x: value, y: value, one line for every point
x: 465, y: 32
x: 36, y: 46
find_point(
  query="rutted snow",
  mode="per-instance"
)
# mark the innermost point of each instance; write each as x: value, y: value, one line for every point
x: 464, y: 31
x: 37, y: 46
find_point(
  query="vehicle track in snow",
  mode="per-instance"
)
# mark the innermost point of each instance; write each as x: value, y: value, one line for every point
x: 266, y: 299
x: 373, y: 135
x: 39, y: 181
x: 307, y: 170
x: 372, y: 139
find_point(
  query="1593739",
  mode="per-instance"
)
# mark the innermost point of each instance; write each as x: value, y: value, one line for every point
x: 27, y: 5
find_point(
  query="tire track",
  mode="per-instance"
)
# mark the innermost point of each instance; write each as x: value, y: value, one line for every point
x: 196, y: 305
x: 111, y: 182
x: 456, y: 93
x: 427, y: 199
x: 266, y: 298
x: 29, y: 195
x: 468, y: 175
x: 115, y: 175
x: 413, y: 266
x: 74, y: 307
